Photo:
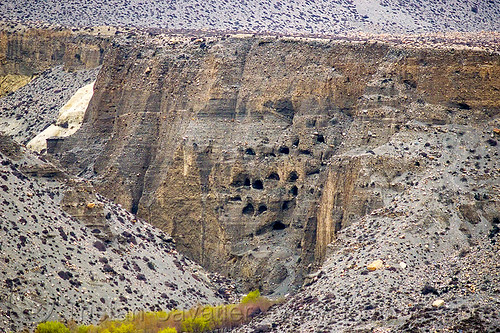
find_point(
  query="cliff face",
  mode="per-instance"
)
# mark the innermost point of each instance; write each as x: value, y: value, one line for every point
x: 254, y: 152
x: 40, y: 69
x: 27, y: 51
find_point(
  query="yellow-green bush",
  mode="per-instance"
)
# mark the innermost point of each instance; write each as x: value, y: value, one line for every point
x: 83, y: 329
x: 196, y: 325
x: 196, y: 320
x: 168, y: 330
x: 251, y: 296
x: 51, y: 327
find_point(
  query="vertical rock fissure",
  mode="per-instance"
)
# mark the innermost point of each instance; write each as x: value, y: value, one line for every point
x: 247, y: 51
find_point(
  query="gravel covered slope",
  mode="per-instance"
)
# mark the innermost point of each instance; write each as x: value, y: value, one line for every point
x: 295, y: 16
x: 29, y: 110
x: 55, y: 267
x: 437, y: 236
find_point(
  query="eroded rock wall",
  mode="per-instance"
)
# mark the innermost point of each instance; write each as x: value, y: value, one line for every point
x: 27, y: 51
x: 253, y: 152
x: 40, y: 69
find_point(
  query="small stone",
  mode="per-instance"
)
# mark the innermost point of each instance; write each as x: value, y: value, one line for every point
x: 90, y: 205
x: 377, y: 264
x: 403, y: 265
x: 438, y: 303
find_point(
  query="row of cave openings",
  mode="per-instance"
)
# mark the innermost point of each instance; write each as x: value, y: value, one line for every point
x: 284, y: 150
x: 259, y: 185
x: 276, y: 225
x: 249, y: 209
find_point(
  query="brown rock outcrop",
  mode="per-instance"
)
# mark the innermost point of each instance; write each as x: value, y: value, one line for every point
x: 26, y: 51
x: 255, y: 151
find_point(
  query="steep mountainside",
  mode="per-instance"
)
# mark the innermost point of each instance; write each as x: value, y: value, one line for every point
x: 292, y: 16
x: 68, y: 253
x: 254, y: 152
x: 43, y: 68
x: 283, y: 162
x: 32, y: 108
x: 434, y: 226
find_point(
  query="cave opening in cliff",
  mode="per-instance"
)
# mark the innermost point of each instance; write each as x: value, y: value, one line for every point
x: 305, y: 152
x: 258, y: 185
x: 294, y: 190
x: 293, y: 176
x: 284, y: 150
x: 248, y: 209
x: 262, y: 209
x: 286, y: 205
x: 240, y: 180
x: 250, y: 151
x: 135, y: 207
x: 278, y: 225
x: 273, y: 176
x: 320, y: 138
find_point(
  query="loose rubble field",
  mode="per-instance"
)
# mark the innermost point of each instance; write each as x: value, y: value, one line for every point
x: 56, y: 267
x: 318, y: 16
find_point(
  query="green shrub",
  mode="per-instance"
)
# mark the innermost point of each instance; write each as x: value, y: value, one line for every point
x: 51, y: 327
x: 125, y: 328
x: 168, y: 330
x: 251, y: 297
x: 196, y: 320
x: 196, y: 325
x: 83, y: 329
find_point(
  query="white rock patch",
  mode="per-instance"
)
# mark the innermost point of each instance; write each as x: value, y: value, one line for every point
x: 69, y: 121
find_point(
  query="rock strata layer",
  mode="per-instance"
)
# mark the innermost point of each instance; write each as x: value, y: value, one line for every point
x: 255, y: 152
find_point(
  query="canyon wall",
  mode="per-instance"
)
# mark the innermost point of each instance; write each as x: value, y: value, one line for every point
x: 40, y: 69
x: 27, y: 51
x: 253, y: 152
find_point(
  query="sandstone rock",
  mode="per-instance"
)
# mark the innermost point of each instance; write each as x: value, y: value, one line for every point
x: 377, y: 264
x: 233, y: 166
x: 438, y: 303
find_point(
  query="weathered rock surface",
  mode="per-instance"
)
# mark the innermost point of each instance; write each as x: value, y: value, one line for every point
x: 254, y: 152
x: 27, y: 51
x: 68, y: 253
x: 57, y: 61
x: 33, y: 108
x: 447, y: 255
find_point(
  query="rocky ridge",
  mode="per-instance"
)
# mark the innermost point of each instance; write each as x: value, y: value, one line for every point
x: 69, y: 254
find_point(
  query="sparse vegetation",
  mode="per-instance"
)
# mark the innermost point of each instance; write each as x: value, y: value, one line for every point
x: 51, y: 327
x: 251, y: 296
x: 196, y: 320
